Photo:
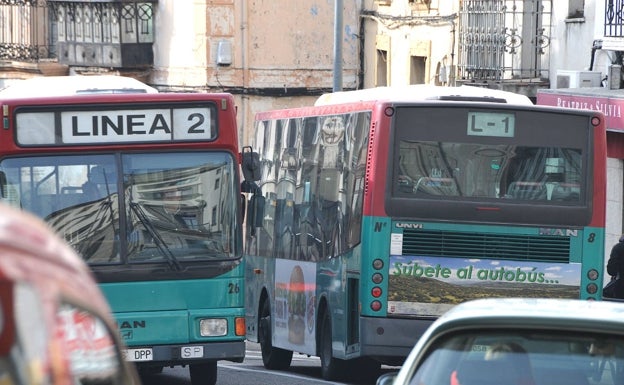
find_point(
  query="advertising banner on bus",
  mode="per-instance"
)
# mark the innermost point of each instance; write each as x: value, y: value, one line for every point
x: 429, y: 286
x: 295, y: 287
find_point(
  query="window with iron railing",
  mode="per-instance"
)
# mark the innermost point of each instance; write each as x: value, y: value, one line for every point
x: 113, y: 33
x: 504, y: 40
x: 104, y: 33
x: 24, y: 32
x: 614, y: 22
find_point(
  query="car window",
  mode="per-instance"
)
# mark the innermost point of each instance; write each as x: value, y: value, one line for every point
x: 89, y: 347
x: 23, y: 340
x: 78, y: 344
x: 524, y: 359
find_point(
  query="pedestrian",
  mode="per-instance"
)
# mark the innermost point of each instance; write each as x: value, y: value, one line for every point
x: 615, y: 268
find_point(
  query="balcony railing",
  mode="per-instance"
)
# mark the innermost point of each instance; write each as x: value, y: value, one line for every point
x: 103, y: 33
x: 614, y: 20
x: 111, y: 33
x: 504, y: 40
x: 24, y: 32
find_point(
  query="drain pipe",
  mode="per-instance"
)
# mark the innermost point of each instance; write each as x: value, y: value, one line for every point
x: 597, y: 44
x: 338, y: 21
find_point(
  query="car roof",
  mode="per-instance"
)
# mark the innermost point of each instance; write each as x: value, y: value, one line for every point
x: 544, y: 313
x: 548, y: 315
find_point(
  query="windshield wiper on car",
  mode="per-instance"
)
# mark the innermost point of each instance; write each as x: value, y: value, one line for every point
x: 160, y: 243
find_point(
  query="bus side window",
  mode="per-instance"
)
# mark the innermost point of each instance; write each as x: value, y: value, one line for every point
x: 9, y: 193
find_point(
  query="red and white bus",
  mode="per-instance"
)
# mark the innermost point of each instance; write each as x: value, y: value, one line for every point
x: 375, y: 211
x: 145, y: 187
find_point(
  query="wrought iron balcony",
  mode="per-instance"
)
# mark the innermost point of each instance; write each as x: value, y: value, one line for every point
x: 103, y: 33
x: 114, y: 33
x: 24, y: 34
x: 504, y: 40
x: 614, y: 20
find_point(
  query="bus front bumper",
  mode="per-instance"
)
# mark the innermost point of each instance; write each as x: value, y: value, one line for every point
x: 172, y: 355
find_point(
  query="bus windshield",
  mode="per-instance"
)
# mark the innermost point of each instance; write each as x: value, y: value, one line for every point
x: 482, y: 170
x: 176, y: 206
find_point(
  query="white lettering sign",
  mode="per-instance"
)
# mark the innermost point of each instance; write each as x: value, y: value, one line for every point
x: 136, y: 125
x: 119, y: 126
x: 607, y: 108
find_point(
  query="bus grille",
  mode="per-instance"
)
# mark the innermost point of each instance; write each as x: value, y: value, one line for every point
x: 487, y: 246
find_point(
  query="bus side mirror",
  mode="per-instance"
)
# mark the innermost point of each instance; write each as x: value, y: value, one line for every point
x: 255, y: 213
x: 243, y: 201
x: 250, y: 164
x: 3, y: 185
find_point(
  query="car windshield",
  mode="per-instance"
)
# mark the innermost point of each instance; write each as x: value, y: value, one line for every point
x: 517, y: 358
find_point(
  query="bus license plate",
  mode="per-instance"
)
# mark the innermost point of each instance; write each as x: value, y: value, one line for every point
x: 144, y: 354
x: 192, y: 351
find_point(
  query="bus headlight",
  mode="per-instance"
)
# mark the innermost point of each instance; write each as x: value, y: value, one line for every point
x: 213, y: 327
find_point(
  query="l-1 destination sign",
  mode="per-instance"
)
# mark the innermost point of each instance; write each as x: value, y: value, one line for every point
x: 115, y: 126
x: 498, y: 124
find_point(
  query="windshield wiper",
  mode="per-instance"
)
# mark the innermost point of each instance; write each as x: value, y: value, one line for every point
x: 160, y: 243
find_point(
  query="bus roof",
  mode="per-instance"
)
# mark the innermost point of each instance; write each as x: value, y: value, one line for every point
x: 420, y: 92
x: 73, y: 85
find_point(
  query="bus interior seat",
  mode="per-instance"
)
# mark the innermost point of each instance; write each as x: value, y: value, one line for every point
x: 437, y: 186
x: 90, y: 190
x: 99, y: 180
x: 565, y: 192
x: 528, y: 190
x: 45, y: 204
x: 72, y: 196
x: 100, y: 175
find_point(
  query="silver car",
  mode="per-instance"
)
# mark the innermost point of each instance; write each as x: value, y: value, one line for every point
x: 518, y: 341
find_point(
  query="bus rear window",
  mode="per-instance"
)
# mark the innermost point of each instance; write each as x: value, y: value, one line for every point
x: 480, y: 170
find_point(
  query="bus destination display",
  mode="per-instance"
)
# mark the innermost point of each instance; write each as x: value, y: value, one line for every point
x: 115, y: 126
x: 500, y: 124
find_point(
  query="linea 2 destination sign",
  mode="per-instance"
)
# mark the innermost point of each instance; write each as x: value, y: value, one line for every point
x: 116, y: 126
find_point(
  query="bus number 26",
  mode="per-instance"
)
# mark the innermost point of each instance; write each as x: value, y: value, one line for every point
x: 233, y: 288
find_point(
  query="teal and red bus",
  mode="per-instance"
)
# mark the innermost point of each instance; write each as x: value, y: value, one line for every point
x: 375, y: 211
x: 145, y: 187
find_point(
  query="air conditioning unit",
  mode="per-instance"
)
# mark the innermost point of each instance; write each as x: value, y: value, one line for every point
x: 578, y: 79
x: 614, y: 75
